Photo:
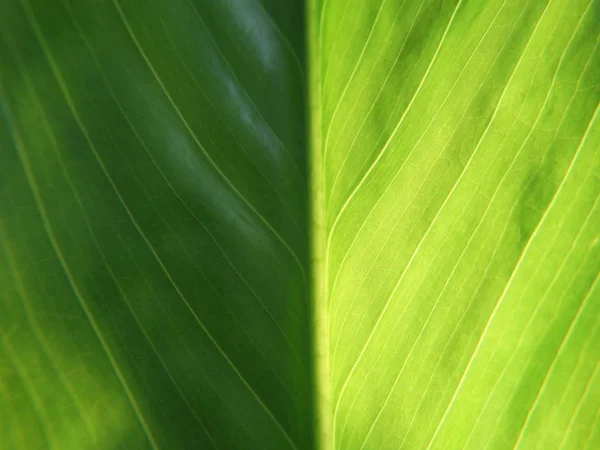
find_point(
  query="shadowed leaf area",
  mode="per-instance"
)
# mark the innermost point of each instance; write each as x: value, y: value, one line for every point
x: 287, y: 224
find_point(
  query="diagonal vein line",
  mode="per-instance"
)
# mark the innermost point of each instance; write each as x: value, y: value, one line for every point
x: 396, y: 128
x: 594, y: 428
x: 588, y: 388
x: 225, y: 124
x: 345, y: 384
x: 80, y: 298
x: 176, y: 193
x: 424, y: 133
x: 380, y: 91
x: 409, y: 264
x: 499, y: 240
x: 542, y: 108
x: 34, y: 398
x: 334, y: 44
x: 239, y: 275
x: 564, y: 261
x: 349, y: 82
x: 52, y: 138
x: 512, y: 277
x: 473, y: 296
x: 529, y: 322
x: 330, y: 233
x: 19, y: 431
x: 204, y: 151
x: 561, y: 348
x: 440, y: 295
x: 322, y: 21
x: 239, y: 83
x: 354, y: 240
x: 284, y: 38
x: 37, y: 330
x: 71, y: 105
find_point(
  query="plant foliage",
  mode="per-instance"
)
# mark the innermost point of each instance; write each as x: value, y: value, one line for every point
x: 273, y: 224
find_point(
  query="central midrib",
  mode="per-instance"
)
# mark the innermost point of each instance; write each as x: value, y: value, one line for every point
x: 318, y: 226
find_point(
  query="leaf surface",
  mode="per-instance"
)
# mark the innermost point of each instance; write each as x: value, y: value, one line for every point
x: 272, y: 224
x: 461, y: 177
x: 153, y: 225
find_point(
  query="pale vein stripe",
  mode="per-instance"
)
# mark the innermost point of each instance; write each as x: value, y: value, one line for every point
x: 424, y: 326
x: 350, y: 112
x: 52, y: 138
x: 472, y: 235
x: 283, y: 38
x: 34, y: 398
x: 594, y: 429
x: 352, y: 73
x: 37, y: 330
x: 321, y: 23
x: 527, y: 325
x: 334, y: 44
x: 71, y: 105
x: 556, y: 358
x: 504, y: 229
x: 175, y: 192
x: 228, y: 128
x: 372, y: 209
x: 573, y: 245
x: 204, y: 151
x: 511, y: 279
x: 409, y: 264
x: 55, y: 145
x: 238, y: 82
x: 457, y: 328
x: 81, y: 300
x: 449, y: 340
x: 193, y: 135
x: 381, y: 153
x: 327, y: 276
x: 508, y: 215
x: 330, y: 233
x: 395, y: 130
x: 419, y: 140
x: 223, y: 299
x: 19, y: 430
x: 588, y: 387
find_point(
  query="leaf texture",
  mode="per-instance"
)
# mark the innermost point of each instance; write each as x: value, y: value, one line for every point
x: 153, y: 225
x: 462, y: 179
x: 274, y: 224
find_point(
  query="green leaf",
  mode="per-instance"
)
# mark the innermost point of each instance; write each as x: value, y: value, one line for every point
x: 461, y: 167
x: 154, y: 233
x: 272, y: 224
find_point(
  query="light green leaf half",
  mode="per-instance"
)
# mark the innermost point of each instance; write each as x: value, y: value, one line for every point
x: 461, y: 173
x: 273, y: 224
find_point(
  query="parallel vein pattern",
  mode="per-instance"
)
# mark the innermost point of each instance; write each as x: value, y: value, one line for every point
x: 461, y: 179
x: 153, y: 226
x: 161, y: 235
